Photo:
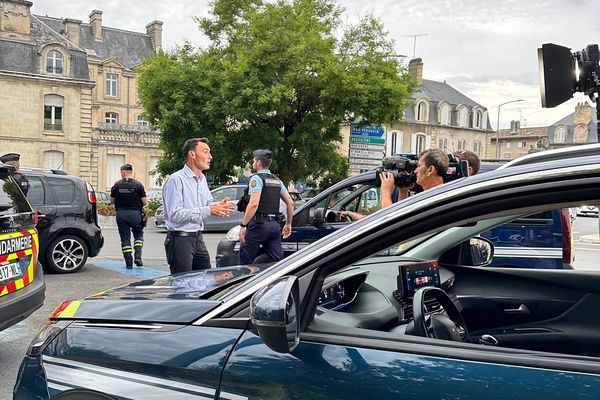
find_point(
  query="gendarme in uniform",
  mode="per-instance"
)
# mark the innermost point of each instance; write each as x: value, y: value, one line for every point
x: 14, y: 159
x: 129, y: 196
x: 264, y: 228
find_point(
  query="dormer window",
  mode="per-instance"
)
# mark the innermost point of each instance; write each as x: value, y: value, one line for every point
x: 478, y: 119
x: 54, y: 62
x: 422, y: 111
x: 463, y: 117
x: 445, y: 114
x: 560, y: 134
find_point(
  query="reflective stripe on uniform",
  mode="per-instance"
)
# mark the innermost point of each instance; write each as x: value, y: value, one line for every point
x: 138, y: 243
x: 127, y: 249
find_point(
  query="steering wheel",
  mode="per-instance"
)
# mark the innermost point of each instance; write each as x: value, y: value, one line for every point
x: 449, y: 326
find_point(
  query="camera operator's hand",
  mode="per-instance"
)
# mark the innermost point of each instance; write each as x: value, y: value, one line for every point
x: 387, y: 188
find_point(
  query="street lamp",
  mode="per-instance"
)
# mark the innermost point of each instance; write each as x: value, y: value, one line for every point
x: 498, y: 127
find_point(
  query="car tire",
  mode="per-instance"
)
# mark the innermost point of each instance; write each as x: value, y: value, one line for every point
x: 65, y: 255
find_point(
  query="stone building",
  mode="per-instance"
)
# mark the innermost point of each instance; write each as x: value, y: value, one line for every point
x: 439, y: 116
x: 69, y: 94
x: 579, y: 127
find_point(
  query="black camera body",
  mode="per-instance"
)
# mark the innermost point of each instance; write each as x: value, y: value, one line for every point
x: 403, y: 167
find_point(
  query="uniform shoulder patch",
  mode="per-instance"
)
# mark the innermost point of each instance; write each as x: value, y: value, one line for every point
x: 252, y: 183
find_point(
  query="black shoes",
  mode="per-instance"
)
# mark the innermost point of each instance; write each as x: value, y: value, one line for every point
x: 129, y: 266
x: 138, y: 262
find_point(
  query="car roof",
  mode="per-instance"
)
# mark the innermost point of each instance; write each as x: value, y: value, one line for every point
x: 555, y: 155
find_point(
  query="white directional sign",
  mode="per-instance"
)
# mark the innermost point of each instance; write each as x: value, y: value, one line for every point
x: 369, y: 154
x: 365, y: 146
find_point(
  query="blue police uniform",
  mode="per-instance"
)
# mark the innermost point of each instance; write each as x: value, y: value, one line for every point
x: 264, y: 229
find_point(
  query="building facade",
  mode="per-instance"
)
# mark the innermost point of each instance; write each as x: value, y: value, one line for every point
x: 579, y: 127
x: 69, y: 94
x: 438, y: 116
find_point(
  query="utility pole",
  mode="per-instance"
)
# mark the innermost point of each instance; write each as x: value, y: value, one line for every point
x: 415, y: 41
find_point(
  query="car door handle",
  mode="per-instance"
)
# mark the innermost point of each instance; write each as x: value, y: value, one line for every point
x: 521, y: 310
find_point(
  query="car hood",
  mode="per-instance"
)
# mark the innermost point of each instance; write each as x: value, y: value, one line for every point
x: 168, y: 299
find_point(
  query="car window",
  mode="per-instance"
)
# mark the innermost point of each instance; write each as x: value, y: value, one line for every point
x: 36, y: 194
x: 12, y: 200
x: 63, y: 190
x: 221, y: 193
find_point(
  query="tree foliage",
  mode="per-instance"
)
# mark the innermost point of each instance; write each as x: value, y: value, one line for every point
x: 276, y: 75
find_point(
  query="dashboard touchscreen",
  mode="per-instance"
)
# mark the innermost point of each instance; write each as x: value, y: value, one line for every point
x: 417, y: 275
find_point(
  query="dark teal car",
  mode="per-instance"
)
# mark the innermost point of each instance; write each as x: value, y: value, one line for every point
x: 401, y: 304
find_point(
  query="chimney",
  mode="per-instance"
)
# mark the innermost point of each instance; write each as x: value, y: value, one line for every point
x: 96, y: 22
x: 415, y: 69
x: 15, y: 19
x: 71, y: 29
x: 583, y: 114
x: 515, y: 126
x: 154, y: 29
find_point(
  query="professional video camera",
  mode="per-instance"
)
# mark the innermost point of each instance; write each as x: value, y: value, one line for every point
x: 403, y: 167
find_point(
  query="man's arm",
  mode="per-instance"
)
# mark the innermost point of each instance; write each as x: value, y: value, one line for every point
x: 287, y: 228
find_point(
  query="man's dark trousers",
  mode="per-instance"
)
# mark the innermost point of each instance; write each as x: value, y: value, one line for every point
x: 186, y: 253
x: 130, y: 221
x: 267, y: 234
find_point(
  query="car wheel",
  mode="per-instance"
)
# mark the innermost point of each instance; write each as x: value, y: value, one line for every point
x: 65, y: 255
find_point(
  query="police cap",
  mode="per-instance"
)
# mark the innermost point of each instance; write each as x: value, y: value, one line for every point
x: 263, y: 154
x: 126, y: 167
x: 10, y: 157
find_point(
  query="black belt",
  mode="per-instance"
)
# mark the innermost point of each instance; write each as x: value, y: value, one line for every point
x: 184, y: 233
x: 266, y: 217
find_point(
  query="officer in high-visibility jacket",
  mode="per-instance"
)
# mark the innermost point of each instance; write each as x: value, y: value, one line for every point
x: 261, y: 225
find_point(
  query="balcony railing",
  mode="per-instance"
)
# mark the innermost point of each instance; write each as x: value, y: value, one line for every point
x: 48, y: 126
x: 127, y: 134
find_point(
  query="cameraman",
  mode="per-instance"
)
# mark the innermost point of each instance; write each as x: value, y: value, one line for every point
x: 431, y: 169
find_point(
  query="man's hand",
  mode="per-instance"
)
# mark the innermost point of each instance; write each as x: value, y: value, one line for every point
x: 242, y: 234
x: 287, y: 230
x: 222, y: 208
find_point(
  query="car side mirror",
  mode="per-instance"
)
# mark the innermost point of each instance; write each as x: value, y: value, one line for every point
x: 480, y: 252
x: 275, y: 312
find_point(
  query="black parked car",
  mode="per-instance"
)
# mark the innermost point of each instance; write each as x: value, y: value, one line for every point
x: 68, y: 220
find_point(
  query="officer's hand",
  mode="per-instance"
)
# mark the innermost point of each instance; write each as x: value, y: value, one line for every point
x: 242, y: 234
x: 286, y: 231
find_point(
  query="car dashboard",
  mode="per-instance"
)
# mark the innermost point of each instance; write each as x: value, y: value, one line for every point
x: 378, y: 295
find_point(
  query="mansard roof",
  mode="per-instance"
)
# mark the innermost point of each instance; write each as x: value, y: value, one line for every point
x: 128, y: 48
x: 436, y: 92
x: 569, y: 123
x: 24, y: 57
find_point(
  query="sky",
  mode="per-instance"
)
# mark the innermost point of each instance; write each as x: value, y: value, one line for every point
x: 487, y: 49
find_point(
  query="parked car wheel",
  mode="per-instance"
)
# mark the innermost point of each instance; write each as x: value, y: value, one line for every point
x: 65, y: 255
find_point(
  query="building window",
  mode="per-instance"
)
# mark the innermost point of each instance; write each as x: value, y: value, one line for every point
x: 521, y: 145
x: 54, y: 62
x: 54, y: 159
x: 420, y: 143
x: 113, y: 168
x: 445, y: 115
x: 111, y: 85
x: 111, y: 118
x: 477, y: 147
x: 478, y: 119
x: 560, y: 134
x: 508, y: 145
x: 53, y: 112
x: 422, y: 111
x: 463, y: 117
x: 142, y: 122
x: 153, y: 175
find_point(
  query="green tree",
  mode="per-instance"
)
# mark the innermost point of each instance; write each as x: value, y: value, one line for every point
x: 276, y: 75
